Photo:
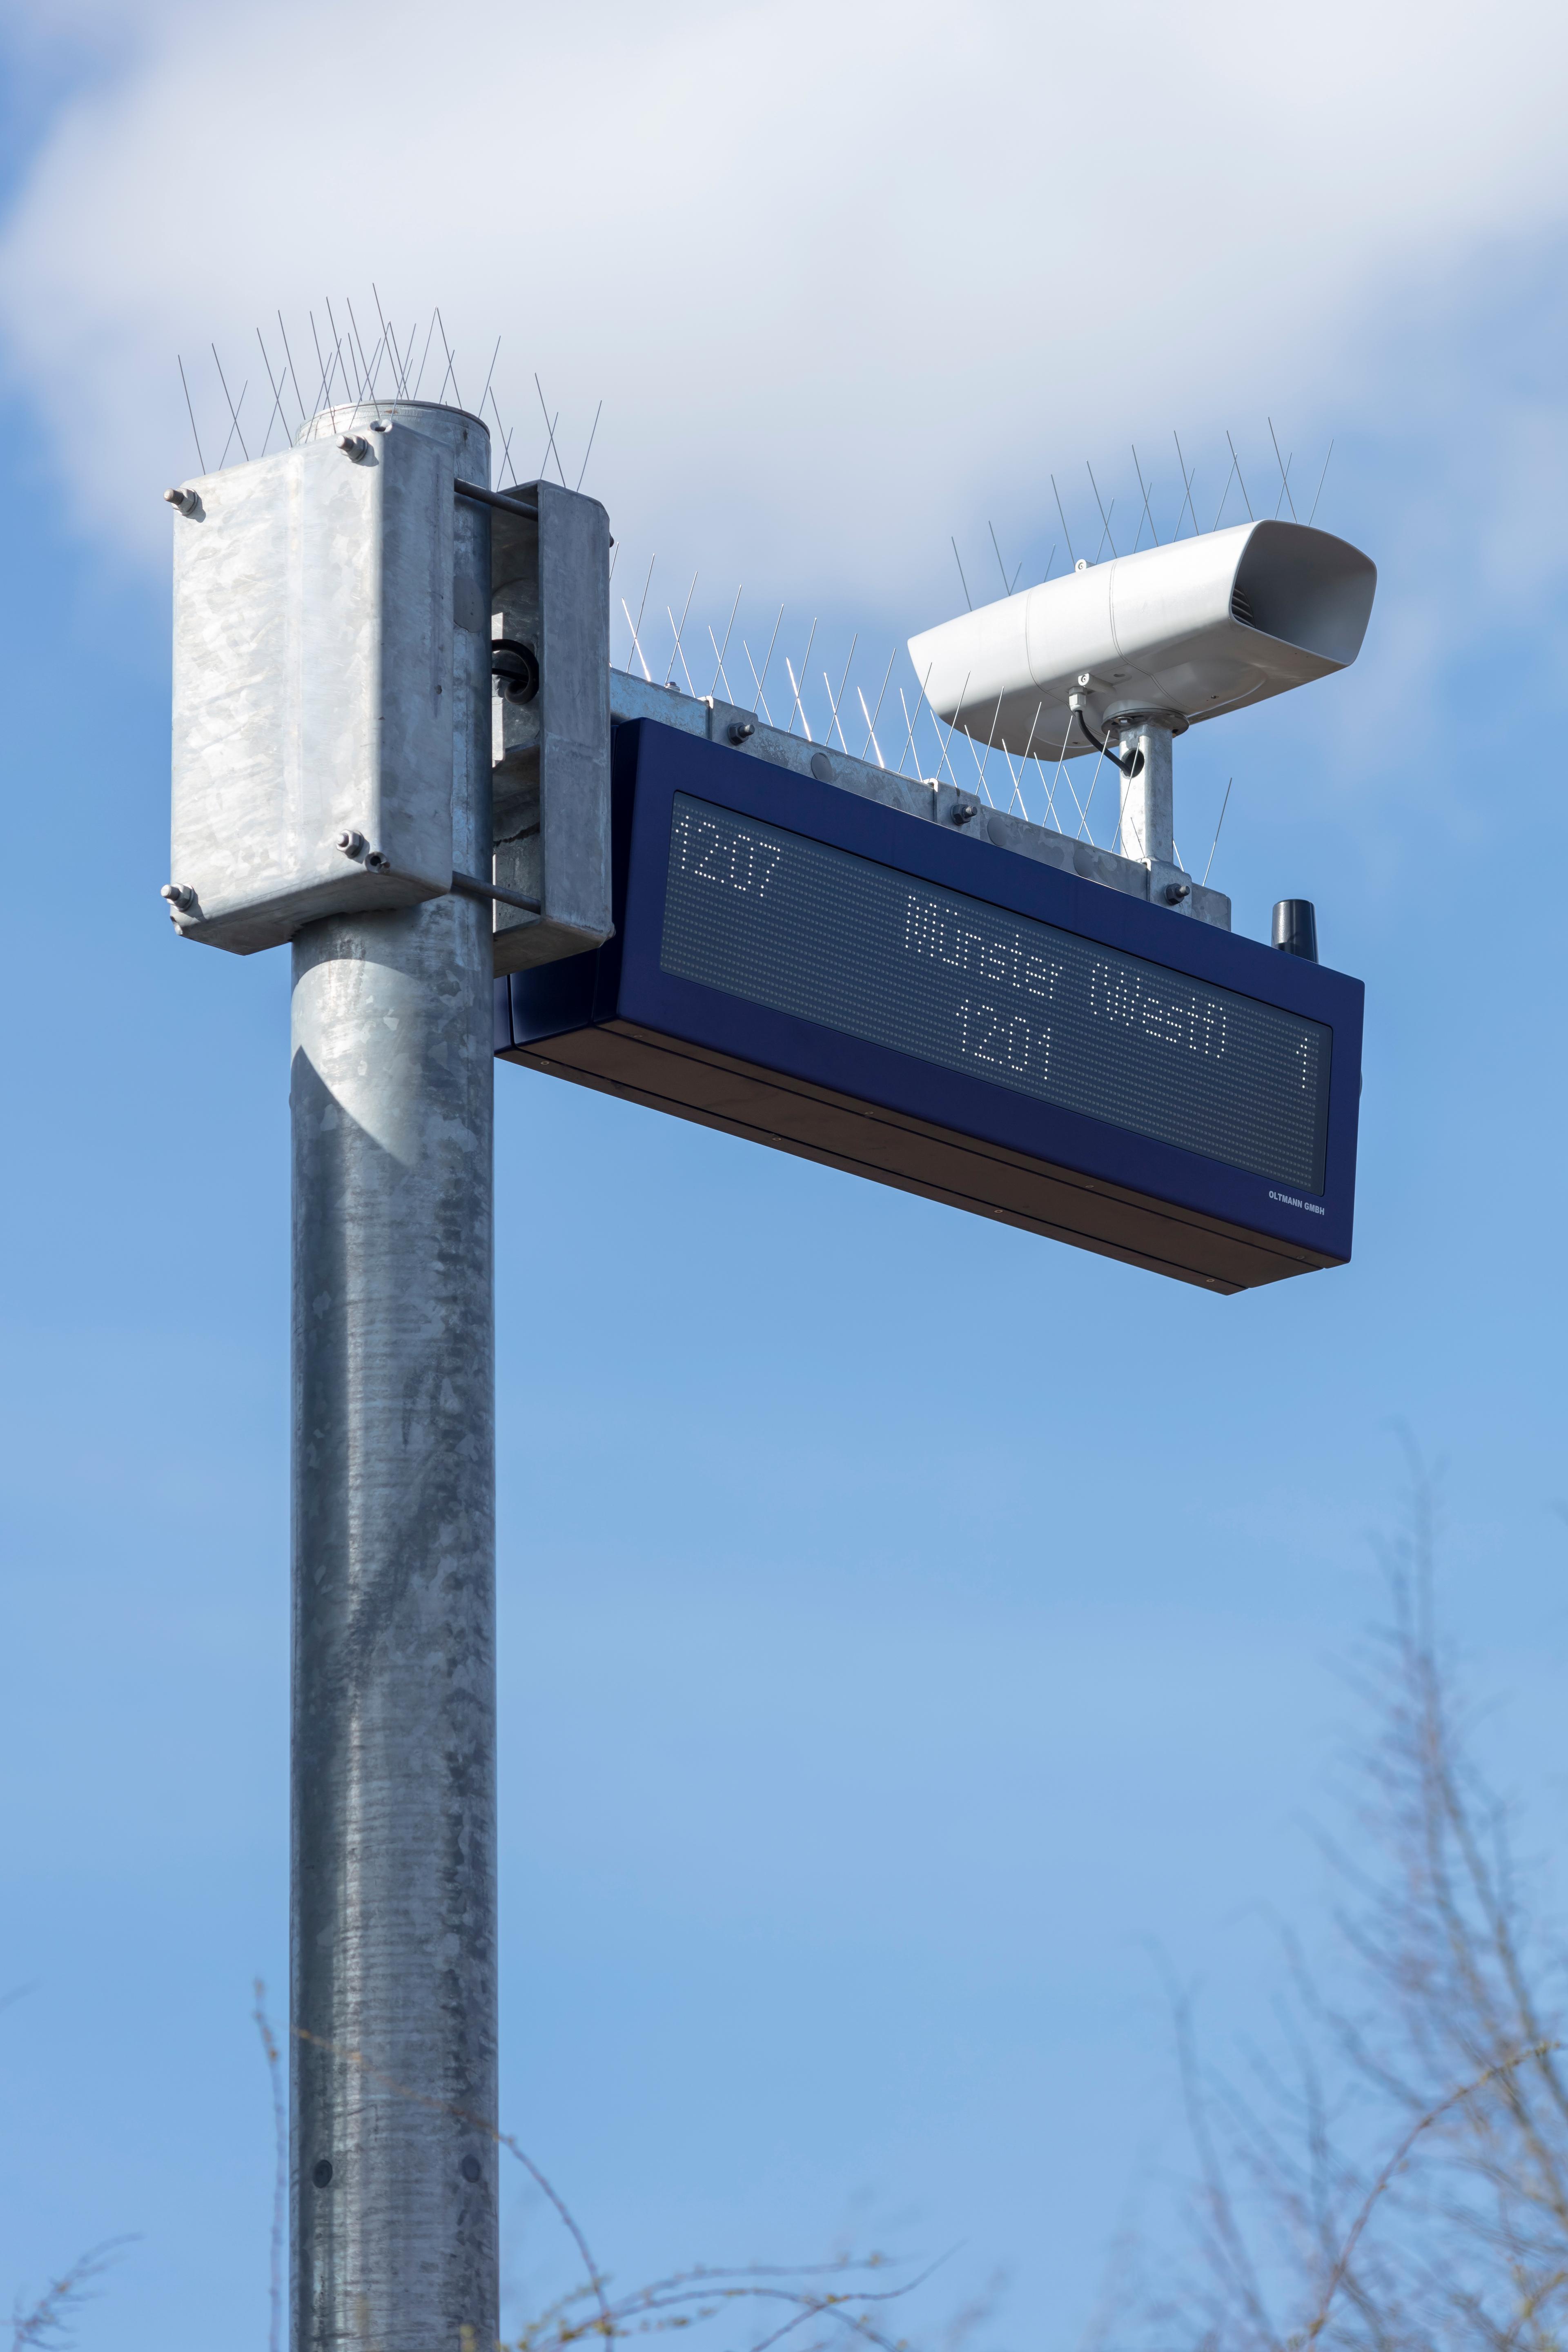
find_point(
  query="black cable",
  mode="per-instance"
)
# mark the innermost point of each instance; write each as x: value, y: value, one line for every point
x: 1130, y: 763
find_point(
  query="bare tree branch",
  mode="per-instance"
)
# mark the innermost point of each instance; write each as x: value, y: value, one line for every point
x: 48, y: 2323
x: 1442, y: 2040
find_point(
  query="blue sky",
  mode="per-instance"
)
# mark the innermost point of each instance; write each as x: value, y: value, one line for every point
x: 905, y: 1624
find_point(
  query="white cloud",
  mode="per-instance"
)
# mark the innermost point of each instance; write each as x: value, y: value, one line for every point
x: 839, y: 271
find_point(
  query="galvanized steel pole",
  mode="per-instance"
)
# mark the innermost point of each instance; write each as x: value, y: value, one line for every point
x: 393, y: 1909
x: 1148, y: 804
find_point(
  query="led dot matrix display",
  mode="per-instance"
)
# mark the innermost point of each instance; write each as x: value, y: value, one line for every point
x: 811, y: 929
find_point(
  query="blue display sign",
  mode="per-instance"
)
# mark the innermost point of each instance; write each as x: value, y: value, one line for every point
x: 836, y: 979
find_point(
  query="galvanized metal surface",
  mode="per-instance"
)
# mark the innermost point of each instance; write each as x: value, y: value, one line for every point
x: 723, y: 722
x: 550, y: 592
x: 393, y: 1949
x: 1148, y: 812
x: 312, y: 685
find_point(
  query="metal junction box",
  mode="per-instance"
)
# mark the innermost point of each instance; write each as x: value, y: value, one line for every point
x: 550, y: 592
x: 313, y: 688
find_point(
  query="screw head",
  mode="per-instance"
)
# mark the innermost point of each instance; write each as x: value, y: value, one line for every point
x: 354, y: 446
x: 963, y: 812
x: 376, y: 861
x: 178, y: 894
x: 740, y: 728
x: 183, y: 502
x: 352, y: 844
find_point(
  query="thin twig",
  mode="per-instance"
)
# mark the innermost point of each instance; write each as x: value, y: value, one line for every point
x: 42, y: 2325
x: 1384, y: 2179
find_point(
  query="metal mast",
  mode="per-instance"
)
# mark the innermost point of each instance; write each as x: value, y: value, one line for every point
x: 394, y: 1807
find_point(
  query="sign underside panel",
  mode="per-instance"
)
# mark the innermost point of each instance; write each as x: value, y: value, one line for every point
x: 761, y: 1107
